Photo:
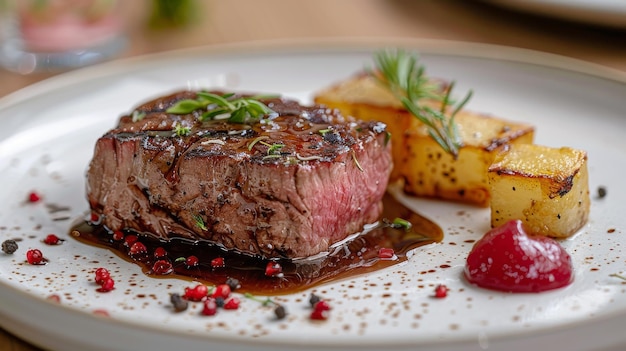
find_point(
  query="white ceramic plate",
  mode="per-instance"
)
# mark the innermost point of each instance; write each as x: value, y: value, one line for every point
x: 610, y: 13
x: 46, y: 142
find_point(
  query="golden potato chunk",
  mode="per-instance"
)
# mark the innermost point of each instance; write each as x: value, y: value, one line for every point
x: 426, y: 169
x: 431, y: 172
x: 547, y: 188
x: 362, y: 97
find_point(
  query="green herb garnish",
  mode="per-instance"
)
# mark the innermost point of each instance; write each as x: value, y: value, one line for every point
x: 400, y: 223
x: 279, y: 310
x: 272, y: 149
x: 399, y: 72
x: 199, y: 222
x: 265, y: 302
x: 272, y: 156
x: 226, y: 106
x: 181, y: 130
x: 137, y: 116
x: 256, y: 140
x: 615, y: 275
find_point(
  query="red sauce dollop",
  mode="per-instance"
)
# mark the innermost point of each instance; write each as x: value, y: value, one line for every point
x: 508, y: 259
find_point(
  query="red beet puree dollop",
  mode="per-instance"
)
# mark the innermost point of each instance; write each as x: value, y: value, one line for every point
x: 508, y: 259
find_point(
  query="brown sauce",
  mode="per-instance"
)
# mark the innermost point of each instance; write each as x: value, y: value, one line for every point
x: 353, y: 258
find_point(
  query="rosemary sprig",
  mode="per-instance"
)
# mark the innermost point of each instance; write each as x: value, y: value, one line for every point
x: 236, y: 110
x: 400, y: 72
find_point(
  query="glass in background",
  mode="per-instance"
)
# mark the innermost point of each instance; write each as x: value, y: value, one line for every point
x: 58, y: 35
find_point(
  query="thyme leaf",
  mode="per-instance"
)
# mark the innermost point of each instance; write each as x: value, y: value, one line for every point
x: 181, y: 130
x: 387, y: 138
x: 199, y: 222
x: 272, y: 149
x: 256, y: 140
x: 267, y: 157
x: 400, y: 72
x: 279, y: 310
x: 265, y: 302
x: 137, y: 116
x: 400, y: 223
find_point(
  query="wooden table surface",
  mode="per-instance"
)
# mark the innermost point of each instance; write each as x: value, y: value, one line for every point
x: 246, y: 20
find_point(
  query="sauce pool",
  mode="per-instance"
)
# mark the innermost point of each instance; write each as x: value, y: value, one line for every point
x: 351, y: 258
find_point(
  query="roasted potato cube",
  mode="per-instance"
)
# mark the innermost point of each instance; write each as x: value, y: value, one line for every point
x: 363, y: 98
x: 431, y: 172
x: 426, y: 169
x: 547, y: 188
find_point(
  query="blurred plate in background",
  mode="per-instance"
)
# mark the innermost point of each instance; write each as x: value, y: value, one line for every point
x: 610, y: 13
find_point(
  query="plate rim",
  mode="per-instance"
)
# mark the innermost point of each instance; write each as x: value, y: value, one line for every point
x: 340, y: 44
x: 431, y: 47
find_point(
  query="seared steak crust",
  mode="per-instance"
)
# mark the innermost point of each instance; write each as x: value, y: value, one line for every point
x: 224, y: 183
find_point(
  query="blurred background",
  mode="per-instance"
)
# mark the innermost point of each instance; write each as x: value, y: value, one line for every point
x: 591, y: 30
x: 33, y: 41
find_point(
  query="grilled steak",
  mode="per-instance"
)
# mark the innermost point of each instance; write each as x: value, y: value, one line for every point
x: 232, y: 184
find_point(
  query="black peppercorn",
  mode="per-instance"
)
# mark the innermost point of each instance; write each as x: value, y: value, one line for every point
x: 178, y: 302
x: 280, y: 311
x: 9, y: 246
x: 233, y: 284
x: 219, y: 301
x: 314, y: 299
